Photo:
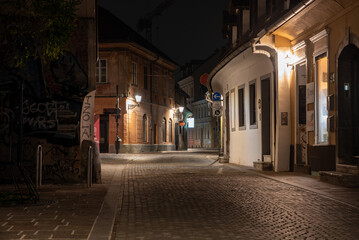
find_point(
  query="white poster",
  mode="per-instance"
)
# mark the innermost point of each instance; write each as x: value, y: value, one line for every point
x: 87, y: 117
x: 310, y: 92
x: 310, y: 121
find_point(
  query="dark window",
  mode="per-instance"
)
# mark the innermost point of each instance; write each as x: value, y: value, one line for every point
x: 241, y: 107
x: 144, y: 128
x: 164, y: 130
x: 101, y: 71
x: 164, y: 86
x: 252, y: 104
x: 134, y: 73
x: 170, y: 130
x: 145, y: 77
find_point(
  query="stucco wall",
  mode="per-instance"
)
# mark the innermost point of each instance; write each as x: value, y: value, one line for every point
x: 245, y: 145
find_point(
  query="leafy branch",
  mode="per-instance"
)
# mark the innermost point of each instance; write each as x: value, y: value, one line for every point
x: 33, y: 29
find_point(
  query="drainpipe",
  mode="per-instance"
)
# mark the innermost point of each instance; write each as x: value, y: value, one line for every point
x: 151, y: 95
x: 277, y: 24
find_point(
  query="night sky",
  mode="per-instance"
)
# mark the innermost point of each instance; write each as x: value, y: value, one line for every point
x: 188, y: 29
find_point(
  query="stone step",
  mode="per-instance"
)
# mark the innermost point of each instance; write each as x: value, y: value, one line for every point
x: 340, y: 178
x: 267, y: 158
x: 345, y: 168
x: 263, y: 166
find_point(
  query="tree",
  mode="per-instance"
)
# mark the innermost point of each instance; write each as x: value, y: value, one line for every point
x: 35, y: 29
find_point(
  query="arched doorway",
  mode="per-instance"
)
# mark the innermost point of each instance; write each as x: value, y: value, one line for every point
x: 348, y: 105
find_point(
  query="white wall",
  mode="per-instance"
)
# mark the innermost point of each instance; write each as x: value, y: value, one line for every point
x: 245, y: 145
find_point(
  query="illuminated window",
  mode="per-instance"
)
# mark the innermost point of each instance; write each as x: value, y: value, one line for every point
x: 321, y: 74
x: 101, y: 71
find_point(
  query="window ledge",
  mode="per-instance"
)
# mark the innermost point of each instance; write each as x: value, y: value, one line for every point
x: 321, y: 144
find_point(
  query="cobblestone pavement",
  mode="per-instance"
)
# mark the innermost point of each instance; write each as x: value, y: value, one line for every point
x: 64, y: 212
x: 184, y: 198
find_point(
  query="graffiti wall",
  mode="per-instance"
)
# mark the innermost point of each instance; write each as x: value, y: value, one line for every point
x: 49, y: 112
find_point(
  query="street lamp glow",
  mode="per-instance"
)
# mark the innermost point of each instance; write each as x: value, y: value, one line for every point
x: 138, y: 98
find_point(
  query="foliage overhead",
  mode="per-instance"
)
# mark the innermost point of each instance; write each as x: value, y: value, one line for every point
x: 35, y: 29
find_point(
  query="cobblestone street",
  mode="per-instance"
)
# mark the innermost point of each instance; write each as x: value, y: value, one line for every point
x: 184, y: 198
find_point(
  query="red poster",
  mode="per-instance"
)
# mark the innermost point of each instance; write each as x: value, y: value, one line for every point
x: 97, y: 130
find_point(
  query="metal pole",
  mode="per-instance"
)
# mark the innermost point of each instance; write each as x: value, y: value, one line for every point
x: 117, y: 142
x: 39, y: 166
x: 89, y: 167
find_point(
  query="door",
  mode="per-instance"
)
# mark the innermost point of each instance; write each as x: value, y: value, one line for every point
x: 155, y: 133
x: 202, y: 137
x: 265, y: 96
x: 301, y: 110
x: 104, y: 119
x: 177, y: 135
x: 228, y: 134
x: 348, y: 105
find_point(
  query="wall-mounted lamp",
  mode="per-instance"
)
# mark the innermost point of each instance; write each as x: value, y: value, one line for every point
x: 181, y: 109
x: 130, y: 105
x: 289, y: 61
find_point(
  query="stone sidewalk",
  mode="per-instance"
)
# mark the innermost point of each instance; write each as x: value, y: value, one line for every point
x: 78, y: 212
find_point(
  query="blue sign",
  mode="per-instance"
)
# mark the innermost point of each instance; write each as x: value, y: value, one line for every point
x: 216, y: 96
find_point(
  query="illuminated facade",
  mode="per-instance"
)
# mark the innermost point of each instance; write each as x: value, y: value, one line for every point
x: 205, y: 133
x: 138, y: 69
x: 289, y: 86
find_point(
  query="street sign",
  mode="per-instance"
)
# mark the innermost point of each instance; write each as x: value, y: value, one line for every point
x: 217, y: 112
x: 217, y: 109
x: 216, y: 105
x: 216, y: 96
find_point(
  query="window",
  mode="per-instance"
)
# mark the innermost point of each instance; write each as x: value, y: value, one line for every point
x: 164, y: 86
x: 134, y: 73
x: 144, y: 128
x: 101, y: 71
x: 252, y: 103
x: 321, y: 69
x: 170, y: 130
x: 164, y: 130
x: 232, y: 112
x: 155, y: 82
x: 170, y: 88
x: 145, y: 77
x: 241, y: 121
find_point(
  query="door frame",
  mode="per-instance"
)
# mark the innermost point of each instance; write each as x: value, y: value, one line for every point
x: 354, y: 42
x: 296, y: 112
x: 266, y: 78
x: 228, y: 133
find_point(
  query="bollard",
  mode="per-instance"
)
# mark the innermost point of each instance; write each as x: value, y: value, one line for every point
x: 39, y: 166
x: 89, y: 166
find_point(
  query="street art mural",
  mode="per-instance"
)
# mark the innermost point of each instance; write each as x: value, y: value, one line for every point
x: 48, y: 112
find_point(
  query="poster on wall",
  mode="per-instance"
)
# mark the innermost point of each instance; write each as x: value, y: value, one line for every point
x: 310, y: 121
x: 87, y: 117
x: 310, y: 92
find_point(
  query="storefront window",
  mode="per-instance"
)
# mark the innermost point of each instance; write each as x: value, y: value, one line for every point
x: 321, y: 63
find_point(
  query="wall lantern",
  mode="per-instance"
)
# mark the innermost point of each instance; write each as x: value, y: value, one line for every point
x: 181, y: 109
x: 131, y: 105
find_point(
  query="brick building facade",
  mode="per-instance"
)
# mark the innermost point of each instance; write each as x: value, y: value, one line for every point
x: 134, y: 66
